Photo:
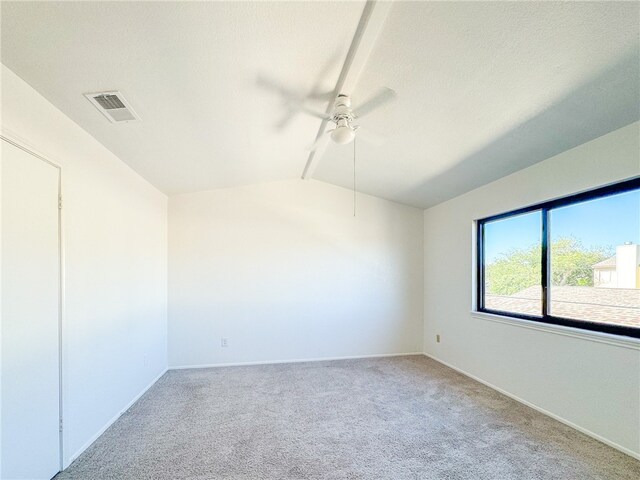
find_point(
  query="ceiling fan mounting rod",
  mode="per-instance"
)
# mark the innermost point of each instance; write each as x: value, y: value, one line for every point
x: 342, y: 112
x: 342, y: 120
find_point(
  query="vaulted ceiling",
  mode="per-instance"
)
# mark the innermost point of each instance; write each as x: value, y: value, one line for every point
x: 484, y: 88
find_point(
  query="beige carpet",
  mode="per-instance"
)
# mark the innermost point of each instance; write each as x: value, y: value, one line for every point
x: 387, y: 418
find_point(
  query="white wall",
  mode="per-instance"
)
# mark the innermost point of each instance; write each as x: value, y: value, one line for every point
x: 285, y: 272
x: 595, y: 386
x: 115, y: 240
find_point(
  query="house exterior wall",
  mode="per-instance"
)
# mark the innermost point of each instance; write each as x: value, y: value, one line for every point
x: 627, y: 261
x: 605, y: 277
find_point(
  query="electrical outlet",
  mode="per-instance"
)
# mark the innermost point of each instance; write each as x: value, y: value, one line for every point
x: 437, y: 338
x: 224, y: 342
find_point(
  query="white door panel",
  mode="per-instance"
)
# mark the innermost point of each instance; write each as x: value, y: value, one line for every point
x: 30, y: 316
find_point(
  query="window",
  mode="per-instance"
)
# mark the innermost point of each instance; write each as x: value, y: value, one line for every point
x: 513, y: 259
x: 574, y: 261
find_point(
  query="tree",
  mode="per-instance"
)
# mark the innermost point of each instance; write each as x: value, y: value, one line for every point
x: 514, y: 271
x: 571, y: 264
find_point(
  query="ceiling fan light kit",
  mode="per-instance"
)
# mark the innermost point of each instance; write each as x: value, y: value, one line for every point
x: 343, y: 116
x: 343, y: 133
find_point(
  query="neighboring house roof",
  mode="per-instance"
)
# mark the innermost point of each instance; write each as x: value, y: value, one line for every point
x: 618, y: 306
x: 608, y: 263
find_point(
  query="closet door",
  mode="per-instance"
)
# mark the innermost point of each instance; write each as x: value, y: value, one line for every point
x: 30, y: 316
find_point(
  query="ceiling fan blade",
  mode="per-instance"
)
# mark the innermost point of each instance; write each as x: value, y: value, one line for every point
x: 293, y: 97
x: 314, y: 113
x: 294, y: 100
x: 286, y: 93
x: 320, y: 141
x: 383, y: 96
x: 285, y: 120
x: 321, y: 96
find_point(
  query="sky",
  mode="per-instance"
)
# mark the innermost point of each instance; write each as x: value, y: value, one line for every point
x: 604, y: 222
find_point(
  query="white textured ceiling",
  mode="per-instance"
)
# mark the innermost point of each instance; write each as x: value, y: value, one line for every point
x: 488, y: 88
x: 484, y: 88
x: 190, y: 70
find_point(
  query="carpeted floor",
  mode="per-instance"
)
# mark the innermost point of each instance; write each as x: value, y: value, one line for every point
x: 386, y: 418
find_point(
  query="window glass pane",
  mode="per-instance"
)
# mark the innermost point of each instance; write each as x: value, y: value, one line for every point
x: 512, y: 264
x: 595, y: 260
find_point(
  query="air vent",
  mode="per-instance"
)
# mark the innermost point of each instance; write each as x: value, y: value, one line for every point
x: 113, y: 106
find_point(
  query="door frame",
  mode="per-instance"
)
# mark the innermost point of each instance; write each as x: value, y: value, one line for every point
x: 18, y: 142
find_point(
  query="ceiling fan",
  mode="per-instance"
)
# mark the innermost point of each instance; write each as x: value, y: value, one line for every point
x: 344, y: 116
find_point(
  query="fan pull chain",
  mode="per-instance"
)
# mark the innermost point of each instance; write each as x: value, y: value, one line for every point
x: 354, y: 177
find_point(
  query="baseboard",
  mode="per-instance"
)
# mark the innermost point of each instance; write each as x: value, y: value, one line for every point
x: 70, y: 460
x: 296, y: 360
x: 606, y: 441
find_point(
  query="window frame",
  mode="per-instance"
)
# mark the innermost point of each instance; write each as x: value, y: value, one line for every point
x: 545, y: 208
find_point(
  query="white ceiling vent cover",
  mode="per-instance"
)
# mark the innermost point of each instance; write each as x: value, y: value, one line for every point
x: 113, y: 106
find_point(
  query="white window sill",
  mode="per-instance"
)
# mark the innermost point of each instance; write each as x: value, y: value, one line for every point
x: 617, y: 340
